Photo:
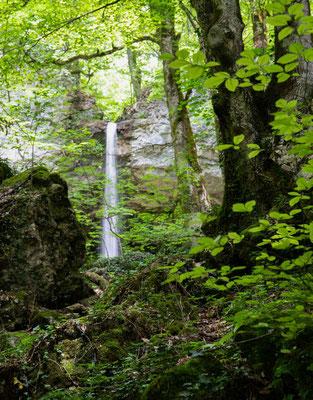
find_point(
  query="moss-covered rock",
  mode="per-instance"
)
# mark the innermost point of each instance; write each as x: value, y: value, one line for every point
x: 5, y: 171
x: 42, y: 245
x: 43, y: 318
x: 63, y: 365
x: 15, y: 310
x: 173, y: 383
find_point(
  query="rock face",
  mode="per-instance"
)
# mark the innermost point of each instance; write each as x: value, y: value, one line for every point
x: 42, y: 244
x: 81, y: 112
x: 145, y: 148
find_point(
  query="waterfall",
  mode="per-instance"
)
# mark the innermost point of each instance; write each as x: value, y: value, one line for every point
x: 109, y: 242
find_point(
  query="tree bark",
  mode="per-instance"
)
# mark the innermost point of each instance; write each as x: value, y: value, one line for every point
x: 246, y: 112
x: 135, y: 73
x: 192, y: 191
x: 258, y: 17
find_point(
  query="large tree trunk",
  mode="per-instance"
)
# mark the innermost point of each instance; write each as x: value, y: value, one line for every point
x: 246, y: 112
x: 193, y: 196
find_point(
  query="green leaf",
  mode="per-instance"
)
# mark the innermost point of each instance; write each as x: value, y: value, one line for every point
x: 252, y: 70
x: 290, y: 67
x: 282, y: 77
x: 198, y: 57
x: 222, y: 74
x: 241, y: 73
x: 213, y: 82
x: 254, y: 153
x: 294, y: 201
x: 273, y: 68
x: 264, y: 59
x: 295, y: 8
x: 279, y: 216
x: 221, y: 147
x: 247, y: 207
x: 281, y: 103
x: 196, y: 250
x: 285, y: 32
x: 182, y: 54
x: 250, y: 205
x: 212, y: 64
x: 235, y: 236
x: 278, y: 20
x: 239, y: 207
x: 287, y: 58
x: 231, y: 84
x: 238, y: 139
x: 178, y: 64
x: 258, y: 87
x: 248, y: 54
x: 216, y: 251
x: 301, y: 29
x: 244, y: 61
x: 195, y: 72
x: 296, y: 48
x: 245, y: 84
x: 166, y: 56
x: 253, y: 146
x: 308, y: 54
x: 276, y: 8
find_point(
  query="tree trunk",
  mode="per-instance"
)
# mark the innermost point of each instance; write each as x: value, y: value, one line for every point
x: 259, y: 27
x: 192, y: 192
x: 193, y: 196
x: 246, y: 112
x: 135, y: 73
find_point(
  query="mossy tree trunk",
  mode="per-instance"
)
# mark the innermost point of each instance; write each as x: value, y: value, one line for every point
x: 135, y: 72
x: 248, y: 112
x: 193, y: 196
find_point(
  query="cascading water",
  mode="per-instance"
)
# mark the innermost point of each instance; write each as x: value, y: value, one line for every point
x: 109, y: 243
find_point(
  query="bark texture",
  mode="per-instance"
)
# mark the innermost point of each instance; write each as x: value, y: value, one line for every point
x: 247, y: 112
x: 193, y: 196
x: 135, y: 73
x: 259, y: 28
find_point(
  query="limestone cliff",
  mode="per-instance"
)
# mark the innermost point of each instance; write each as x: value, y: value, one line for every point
x: 145, y: 147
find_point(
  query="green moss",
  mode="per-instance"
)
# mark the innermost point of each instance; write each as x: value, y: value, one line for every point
x: 174, y: 382
x: 116, y: 333
x: 45, y: 317
x: 110, y: 345
x: 175, y: 327
x: 110, y: 351
x: 15, y: 344
x: 40, y: 176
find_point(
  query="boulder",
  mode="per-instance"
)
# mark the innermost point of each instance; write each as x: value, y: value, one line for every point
x: 42, y: 245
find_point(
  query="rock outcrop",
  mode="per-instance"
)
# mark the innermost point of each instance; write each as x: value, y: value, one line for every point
x: 146, y: 152
x: 42, y: 244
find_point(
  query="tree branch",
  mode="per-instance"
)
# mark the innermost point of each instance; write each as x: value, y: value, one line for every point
x: 192, y: 19
x: 98, y: 53
x: 70, y: 21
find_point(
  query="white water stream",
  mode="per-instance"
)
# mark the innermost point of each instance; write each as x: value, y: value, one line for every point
x: 109, y: 244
